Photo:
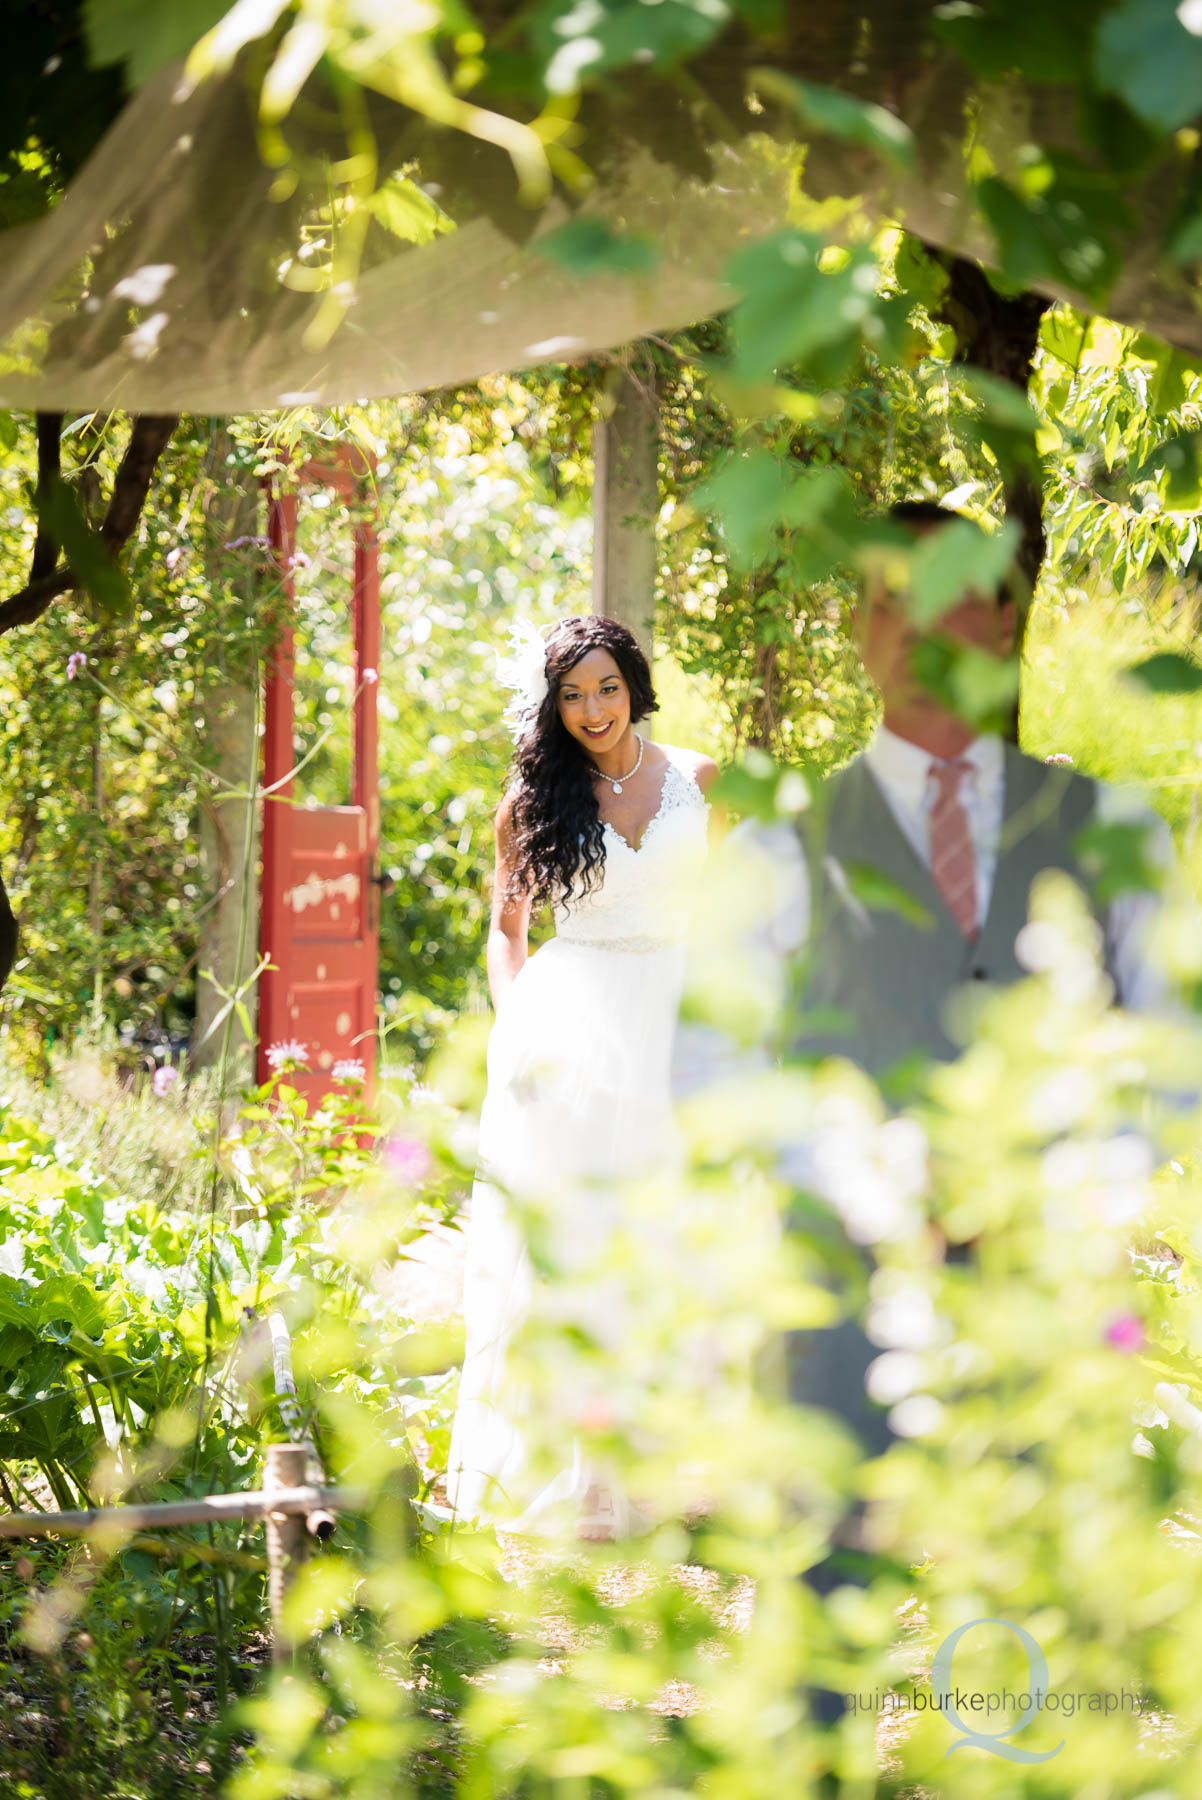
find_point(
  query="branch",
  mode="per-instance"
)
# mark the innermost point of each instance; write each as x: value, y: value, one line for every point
x: 34, y: 599
x: 148, y: 438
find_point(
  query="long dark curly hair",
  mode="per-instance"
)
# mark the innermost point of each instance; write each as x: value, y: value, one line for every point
x: 558, y: 838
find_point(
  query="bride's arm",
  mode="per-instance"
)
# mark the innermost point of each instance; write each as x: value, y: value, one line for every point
x: 510, y: 923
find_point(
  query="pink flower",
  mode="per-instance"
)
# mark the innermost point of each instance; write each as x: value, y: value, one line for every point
x: 173, y: 556
x: 75, y: 663
x: 1126, y: 1333
x: 164, y: 1080
x: 408, y: 1159
x: 290, y: 1051
x: 348, y: 1070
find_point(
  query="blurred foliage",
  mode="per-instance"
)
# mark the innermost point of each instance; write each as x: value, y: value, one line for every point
x: 1047, y: 1393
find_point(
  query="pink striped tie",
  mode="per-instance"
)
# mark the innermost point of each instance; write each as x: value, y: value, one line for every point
x: 953, y: 859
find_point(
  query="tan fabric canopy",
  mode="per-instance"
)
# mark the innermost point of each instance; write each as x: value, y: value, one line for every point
x: 165, y: 279
x: 156, y: 284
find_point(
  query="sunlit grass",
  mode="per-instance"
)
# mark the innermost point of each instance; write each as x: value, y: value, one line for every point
x: 1077, y: 700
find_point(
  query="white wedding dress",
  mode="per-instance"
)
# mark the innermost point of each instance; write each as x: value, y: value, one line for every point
x: 578, y: 1102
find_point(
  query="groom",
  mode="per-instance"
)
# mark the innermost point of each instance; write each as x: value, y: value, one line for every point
x: 959, y: 823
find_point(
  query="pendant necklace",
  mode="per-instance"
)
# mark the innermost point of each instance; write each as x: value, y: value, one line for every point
x: 617, y: 785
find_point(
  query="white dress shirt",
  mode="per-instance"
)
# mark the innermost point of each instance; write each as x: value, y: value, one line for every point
x: 902, y: 771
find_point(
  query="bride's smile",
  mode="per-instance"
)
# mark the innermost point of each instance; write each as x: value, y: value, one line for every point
x: 594, y: 705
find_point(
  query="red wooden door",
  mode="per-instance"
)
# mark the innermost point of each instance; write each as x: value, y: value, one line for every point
x: 319, y: 919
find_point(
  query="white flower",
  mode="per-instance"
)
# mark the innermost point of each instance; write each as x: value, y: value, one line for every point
x: 290, y: 1051
x: 901, y: 1317
x: 349, y: 1069
x: 873, y: 1174
x: 524, y: 671
x: 894, y: 1375
x: 918, y: 1415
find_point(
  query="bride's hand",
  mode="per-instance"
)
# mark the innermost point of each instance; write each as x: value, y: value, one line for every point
x: 509, y: 926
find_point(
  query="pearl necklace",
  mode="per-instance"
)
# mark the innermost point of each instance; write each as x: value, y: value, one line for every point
x: 617, y: 785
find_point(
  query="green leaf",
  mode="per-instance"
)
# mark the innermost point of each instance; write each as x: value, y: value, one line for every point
x: 880, y: 893
x: 1007, y: 424
x: 792, y: 309
x: 580, y: 42
x: 1172, y: 373
x: 918, y: 273
x: 1145, y: 54
x: 85, y: 550
x: 590, y: 246
x: 945, y: 564
x: 146, y: 35
x: 1002, y: 39
x: 1180, y: 459
x: 1062, y: 334
x: 1114, y: 854
x: 746, y: 495
x: 1185, y: 245
x: 8, y: 431
x: 1168, y: 672
x: 756, y: 787
x: 1064, y: 231
x: 977, y: 687
x: 1003, y: 402
x: 407, y: 211
x: 839, y: 115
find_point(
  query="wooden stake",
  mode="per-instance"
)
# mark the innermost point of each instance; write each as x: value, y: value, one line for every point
x: 287, y: 1539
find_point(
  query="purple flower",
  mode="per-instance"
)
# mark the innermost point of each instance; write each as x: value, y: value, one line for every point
x: 173, y: 556
x: 290, y: 1051
x: 237, y: 543
x: 75, y: 662
x: 1126, y: 1333
x: 349, y: 1069
x: 408, y: 1160
x: 164, y: 1080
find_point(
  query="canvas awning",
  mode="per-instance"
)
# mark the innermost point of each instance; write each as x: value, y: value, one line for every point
x: 161, y: 281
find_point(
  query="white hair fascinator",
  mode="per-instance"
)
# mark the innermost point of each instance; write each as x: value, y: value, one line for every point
x: 524, y: 670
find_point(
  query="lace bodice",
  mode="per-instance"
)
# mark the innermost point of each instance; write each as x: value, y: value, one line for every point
x: 645, y: 896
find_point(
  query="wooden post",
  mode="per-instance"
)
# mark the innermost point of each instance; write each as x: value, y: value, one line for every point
x: 229, y: 826
x: 287, y: 1539
x: 626, y: 504
x: 287, y: 1399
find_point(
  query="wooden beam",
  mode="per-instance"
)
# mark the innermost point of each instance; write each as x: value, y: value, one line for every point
x: 626, y: 504
x: 210, y: 1509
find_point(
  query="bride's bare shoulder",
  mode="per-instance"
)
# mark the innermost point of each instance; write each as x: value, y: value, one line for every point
x: 702, y: 767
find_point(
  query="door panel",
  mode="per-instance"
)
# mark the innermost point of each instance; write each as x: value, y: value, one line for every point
x: 319, y: 918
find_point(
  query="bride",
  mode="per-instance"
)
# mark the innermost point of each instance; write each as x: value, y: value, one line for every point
x: 610, y: 829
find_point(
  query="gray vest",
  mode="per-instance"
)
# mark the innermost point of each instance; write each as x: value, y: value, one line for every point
x: 892, y: 980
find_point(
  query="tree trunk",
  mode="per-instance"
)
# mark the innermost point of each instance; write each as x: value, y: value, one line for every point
x: 8, y: 936
x: 229, y: 827
x: 626, y: 505
x: 999, y: 334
